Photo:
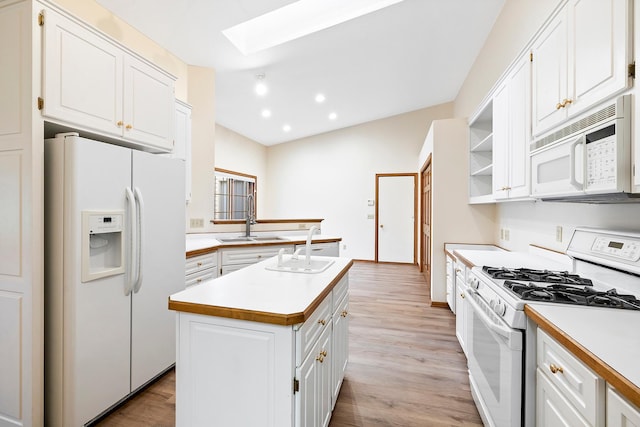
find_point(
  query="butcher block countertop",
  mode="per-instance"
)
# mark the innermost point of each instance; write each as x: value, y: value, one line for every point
x: 260, y: 295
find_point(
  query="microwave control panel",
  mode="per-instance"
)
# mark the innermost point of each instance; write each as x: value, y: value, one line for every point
x: 601, y: 163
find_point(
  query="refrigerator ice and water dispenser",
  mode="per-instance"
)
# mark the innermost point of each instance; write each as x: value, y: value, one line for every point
x: 102, y: 244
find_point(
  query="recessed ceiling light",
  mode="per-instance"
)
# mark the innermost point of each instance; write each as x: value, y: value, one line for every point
x: 266, y: 113
x: 261, y: 87
x: 320, y: 98
x: 333, y: 116
x: 286, y: 128
x: 296, y: 20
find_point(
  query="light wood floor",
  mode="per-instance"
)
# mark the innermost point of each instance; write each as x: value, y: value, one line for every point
x: 405, y: 365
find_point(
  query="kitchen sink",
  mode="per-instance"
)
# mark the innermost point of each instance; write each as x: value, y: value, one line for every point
x: 251, y: 239
x: 267, y: 238
x: 235, y: 239
x: 299, y: 265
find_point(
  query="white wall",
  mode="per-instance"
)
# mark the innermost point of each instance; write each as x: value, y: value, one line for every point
x: 531, y: 222
x: 202, y: 99
x: 453, y: 220
x: 238, y: 153
x: 332, y: 176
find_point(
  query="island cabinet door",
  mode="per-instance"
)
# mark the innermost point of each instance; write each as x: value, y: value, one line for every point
x: 233, y: 373
x: 313, y: 399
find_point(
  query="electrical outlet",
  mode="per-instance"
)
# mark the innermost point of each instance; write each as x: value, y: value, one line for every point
x: 196, y: 222
x: 370, y: 216
x: 506, y: 235
x: 344, y: 247
x: 559, y: 233
x: 502, y: 234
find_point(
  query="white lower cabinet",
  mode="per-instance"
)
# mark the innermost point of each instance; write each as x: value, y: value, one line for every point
x: 460, y: 288
x: 233, y: 372
x: 621, y: 413
x: 552, y: 408
x: 568, y: 392
x: 200, y: 268
x: 232, y: 259
x: 340, y: 344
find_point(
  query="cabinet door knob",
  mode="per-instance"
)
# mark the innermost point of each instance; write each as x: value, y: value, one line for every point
x: 320, y: 358
x: 461, y: 295
x: 199, y: 264
x: 119, y: 124
x: 553, y: 368
x: 128, y: 127
x: 324, y: 353
x: 566, y: 102
x: 381, y: 225
x: 344, y: 313
x: 559, y: 105
x: 322, y: 322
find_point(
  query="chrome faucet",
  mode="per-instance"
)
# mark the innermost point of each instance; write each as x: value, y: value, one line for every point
x: 251, y: 214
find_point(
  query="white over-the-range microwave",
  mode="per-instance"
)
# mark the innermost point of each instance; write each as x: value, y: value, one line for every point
x: 588, y: 160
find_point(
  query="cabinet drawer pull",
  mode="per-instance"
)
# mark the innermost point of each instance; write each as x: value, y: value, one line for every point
x: 458, y: 270
x: 553, y: 368
x: 322, y: 322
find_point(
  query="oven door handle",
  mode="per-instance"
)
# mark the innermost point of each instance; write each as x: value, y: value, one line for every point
x: 495, y: 324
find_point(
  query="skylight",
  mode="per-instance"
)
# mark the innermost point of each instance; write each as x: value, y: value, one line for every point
x: 296, y: 20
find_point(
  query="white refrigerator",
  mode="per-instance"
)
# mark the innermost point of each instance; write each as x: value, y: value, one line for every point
x: 114, y: 252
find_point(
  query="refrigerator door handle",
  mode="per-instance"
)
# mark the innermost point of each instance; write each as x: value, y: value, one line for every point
x: 131, y: 267
x: 140, y: 205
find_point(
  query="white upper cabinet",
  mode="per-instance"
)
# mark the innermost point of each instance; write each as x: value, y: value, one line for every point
x: 91, y: 83
x: 581, y: 58
x: 512, y: 133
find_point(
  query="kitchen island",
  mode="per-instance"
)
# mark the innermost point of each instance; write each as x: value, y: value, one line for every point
x: 259, y: 347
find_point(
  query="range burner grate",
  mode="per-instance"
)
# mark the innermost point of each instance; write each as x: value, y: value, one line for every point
x: 527, y: 274
x: 567, y: 294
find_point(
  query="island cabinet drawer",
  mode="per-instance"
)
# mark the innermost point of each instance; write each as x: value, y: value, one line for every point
x: 201, y: 276
x: 582, y: 387
x: 339, y: 291
x: 201, y: 262
x: 311, y: 329
x: 252, y: 255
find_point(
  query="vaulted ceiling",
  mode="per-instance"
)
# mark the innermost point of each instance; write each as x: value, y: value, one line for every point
x: 410, y: 55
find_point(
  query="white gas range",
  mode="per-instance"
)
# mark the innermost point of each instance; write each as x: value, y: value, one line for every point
x: 500, y: 340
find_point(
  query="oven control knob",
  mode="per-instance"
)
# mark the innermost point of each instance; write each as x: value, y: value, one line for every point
x: 474, y: 283
x: 499, y: 308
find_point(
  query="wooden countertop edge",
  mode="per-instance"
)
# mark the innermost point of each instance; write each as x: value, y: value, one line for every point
x: 211, y: 249
x: 267, y: 221
x: 625, y: 387
x: 259, y: 316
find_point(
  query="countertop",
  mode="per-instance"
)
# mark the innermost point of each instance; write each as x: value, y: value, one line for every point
x: 607, y: 340
x: 199, y: 244
x: 257, y: 294
x: 451, y: 248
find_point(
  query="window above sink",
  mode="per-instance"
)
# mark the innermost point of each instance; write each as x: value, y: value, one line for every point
x: 231, y: 190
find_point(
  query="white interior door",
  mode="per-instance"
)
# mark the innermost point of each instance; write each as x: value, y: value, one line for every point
x: 396, y: 218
